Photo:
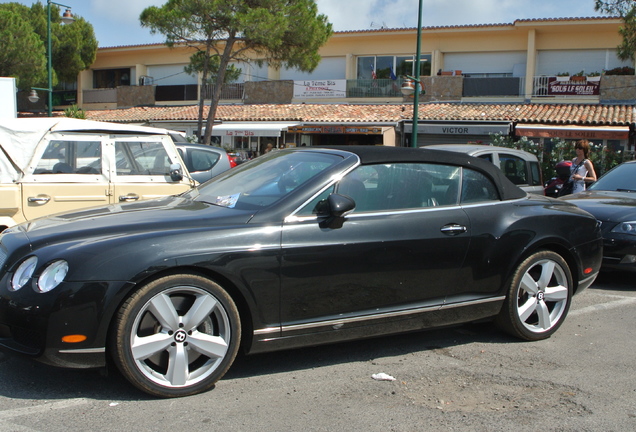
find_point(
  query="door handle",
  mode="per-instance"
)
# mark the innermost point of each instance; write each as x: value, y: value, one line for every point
x: 453, y: 229
x: 40, y: 199
x: 129, y: 197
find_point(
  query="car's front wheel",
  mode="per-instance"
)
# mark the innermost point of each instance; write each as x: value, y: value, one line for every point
x: 538, y: 297
x: 176, y: 336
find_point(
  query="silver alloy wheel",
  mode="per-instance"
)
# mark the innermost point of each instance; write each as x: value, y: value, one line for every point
x: 543, y: 296
x: 180, y: 336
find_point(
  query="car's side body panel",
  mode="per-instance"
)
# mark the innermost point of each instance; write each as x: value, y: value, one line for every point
x: 296, y: 279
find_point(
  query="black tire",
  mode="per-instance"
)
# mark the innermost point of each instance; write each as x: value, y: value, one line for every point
x: 538, y: 297
x: 176, y: 336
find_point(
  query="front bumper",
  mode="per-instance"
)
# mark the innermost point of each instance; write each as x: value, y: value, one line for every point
x: 619, y: 253
x: 34, y: 324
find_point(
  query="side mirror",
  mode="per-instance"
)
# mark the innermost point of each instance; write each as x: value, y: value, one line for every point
x: 337, y: 208
x: 175, y: 172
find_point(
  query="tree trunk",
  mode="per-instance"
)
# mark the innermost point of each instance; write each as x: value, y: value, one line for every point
x: 216, y: 96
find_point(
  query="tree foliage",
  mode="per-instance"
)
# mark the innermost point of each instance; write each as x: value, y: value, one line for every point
x: 22, y: 52
x: 626, y: 9
x: 198, y: 64
x: 281, y: 33
x: 23, y: 45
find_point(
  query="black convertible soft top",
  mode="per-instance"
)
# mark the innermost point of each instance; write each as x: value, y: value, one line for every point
x: 385, y: 154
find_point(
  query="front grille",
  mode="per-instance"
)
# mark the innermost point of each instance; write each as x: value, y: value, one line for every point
x: 25, y: 341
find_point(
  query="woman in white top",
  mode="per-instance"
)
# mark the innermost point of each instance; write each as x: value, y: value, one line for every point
x: 582, y: 169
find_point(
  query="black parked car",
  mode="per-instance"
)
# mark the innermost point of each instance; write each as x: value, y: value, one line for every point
x: 298, y: 247
x: 612, y: 200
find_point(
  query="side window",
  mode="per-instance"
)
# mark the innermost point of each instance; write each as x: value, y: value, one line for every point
x: 514, y: 168
x: 141, y: 158
x: 536, y: 174
x: 315, y: 206
x: 71, y: 157
x: 476, y: 187
x: 203, y: 160
x: 487, y: 156
x: 400, y: 186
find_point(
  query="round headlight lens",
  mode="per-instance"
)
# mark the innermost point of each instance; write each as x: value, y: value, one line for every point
x: 52, y: 275
x: 23, y: 274
x: 625, y: 228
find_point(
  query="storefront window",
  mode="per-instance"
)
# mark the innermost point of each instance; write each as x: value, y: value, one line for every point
x: 401, y: 65
x: 111, y: 78
x: 383, y: 66
x: 241, y: 143
x: 366, y: 65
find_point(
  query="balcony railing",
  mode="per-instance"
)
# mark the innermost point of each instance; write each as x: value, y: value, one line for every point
x: 437, y: 88
x: 108, y: 95
x: 370, y: 88
x: 493, y: 86
x: 228, y: 91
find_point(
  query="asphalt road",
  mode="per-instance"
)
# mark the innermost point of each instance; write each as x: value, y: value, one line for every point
x: 469, y: 378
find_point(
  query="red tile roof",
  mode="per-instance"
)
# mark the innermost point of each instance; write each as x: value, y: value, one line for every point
x: 574, y: 114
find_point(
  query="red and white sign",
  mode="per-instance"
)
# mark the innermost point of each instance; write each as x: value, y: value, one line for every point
x: 584, y: 87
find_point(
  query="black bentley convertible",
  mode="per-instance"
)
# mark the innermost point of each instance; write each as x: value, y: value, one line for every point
x: 298, y: 247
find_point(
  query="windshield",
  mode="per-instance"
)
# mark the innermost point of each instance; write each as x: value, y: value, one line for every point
x: 264, y: 180
x: 622, y: 178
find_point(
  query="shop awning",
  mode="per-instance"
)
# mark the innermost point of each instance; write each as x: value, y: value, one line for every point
x: 572, y: 132
x: 459, y: 128
x: 263, y: 129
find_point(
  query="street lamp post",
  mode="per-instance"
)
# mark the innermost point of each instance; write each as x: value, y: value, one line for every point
x: 67, y: 18
x: 417, y: 88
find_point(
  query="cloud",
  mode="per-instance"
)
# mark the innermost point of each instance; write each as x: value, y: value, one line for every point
x: 367, y: 14
x: 123, y: 11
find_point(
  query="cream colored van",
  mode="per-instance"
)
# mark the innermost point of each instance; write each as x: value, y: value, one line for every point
x: 54, y: 165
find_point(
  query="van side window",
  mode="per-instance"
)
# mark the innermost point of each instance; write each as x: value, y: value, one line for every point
x: 514, y: 168
x: 536, y: 174
x: 71, y: 157
x: 141, y: 158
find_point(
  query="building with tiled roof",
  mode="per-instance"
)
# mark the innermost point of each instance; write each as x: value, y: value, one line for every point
x: 390, y: 124
x: 541, y: 78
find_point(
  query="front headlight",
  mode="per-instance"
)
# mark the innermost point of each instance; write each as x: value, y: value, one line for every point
x: 625, y: 228
x: 23, y: 274
x: 52, y: 276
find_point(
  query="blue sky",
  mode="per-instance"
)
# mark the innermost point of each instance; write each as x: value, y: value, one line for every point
x: 116, y: 22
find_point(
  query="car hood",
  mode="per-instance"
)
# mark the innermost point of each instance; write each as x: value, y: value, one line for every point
x: 606, y: 205
x: 164, y: 214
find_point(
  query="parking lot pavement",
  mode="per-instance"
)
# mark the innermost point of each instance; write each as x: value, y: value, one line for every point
x: 472, y: 378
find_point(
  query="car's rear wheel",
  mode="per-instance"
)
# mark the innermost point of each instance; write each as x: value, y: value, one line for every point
x: 538, y: 297
x: 176, y: 336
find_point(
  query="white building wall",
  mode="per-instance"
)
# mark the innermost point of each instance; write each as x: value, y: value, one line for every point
x: 574, y: 61
x: 329, y: 68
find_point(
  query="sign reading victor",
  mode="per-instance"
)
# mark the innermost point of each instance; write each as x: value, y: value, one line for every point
x: 583, y: 87
x: 312, y: 89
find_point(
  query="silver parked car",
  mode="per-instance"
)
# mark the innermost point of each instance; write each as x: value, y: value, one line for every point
x: 203, y: 161
x: 521, y: 168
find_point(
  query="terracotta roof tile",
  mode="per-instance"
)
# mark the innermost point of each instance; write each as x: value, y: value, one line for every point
x: 574, y: 114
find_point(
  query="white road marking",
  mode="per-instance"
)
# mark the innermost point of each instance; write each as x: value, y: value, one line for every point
x: 623, y: 301
x: 46, y: 407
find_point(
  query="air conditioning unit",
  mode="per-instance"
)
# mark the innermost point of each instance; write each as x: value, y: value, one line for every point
x: 146, y: 80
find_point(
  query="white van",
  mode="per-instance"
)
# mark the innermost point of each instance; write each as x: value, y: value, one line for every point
x: 521, y: 168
